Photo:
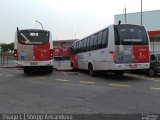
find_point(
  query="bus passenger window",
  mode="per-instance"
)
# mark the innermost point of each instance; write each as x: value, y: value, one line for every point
x: 100, y: 40
x: 105, y: 39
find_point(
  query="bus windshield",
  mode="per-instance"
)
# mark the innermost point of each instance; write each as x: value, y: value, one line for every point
x: 130, y: 35
x: 33, y: 37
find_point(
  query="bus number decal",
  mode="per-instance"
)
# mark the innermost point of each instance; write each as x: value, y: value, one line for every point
x: 33, y: 34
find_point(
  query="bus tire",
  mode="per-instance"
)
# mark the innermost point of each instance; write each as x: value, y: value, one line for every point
x: 152, y: 72
x: 26, y: 71
x: 119, y: 73
x: 50, y: 69
x: 91, y: 71
x: 73, y: 68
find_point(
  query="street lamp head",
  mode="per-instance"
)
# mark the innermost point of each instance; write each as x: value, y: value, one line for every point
x: 34, y: 21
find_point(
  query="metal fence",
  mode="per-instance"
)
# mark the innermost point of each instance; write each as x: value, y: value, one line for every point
x: 6, y: 58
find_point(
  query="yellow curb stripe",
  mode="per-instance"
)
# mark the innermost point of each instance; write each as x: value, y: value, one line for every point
x: 119, y: 85
x: 87, y: 82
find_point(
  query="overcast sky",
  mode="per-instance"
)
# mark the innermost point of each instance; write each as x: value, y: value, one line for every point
x: 64, y: 18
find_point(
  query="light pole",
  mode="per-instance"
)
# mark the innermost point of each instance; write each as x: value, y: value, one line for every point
x: 39, y: 23
x: 141, y: 12
x: 75, y: 33
x: 125, y: 13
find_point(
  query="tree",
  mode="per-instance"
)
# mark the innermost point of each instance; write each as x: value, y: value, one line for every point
x: 7, y: 47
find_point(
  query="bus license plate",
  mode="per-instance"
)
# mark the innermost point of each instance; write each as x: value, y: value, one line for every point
x: 133, y: 66
x: 33, y: 63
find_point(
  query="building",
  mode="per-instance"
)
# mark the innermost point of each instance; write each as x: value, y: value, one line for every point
x: 151, y: 21
x: 61, y: 53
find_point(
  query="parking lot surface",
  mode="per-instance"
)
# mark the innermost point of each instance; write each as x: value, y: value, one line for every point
x: 77, y: 92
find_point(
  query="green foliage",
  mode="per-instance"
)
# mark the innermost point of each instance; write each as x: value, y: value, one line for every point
x: 7, y: 47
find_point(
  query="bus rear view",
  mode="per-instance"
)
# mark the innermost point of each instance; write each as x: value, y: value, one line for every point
x: 33, y: 50
x: 131, y: 46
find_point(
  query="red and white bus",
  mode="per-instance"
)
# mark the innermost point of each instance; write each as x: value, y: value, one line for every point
x: 33, y: 50
x: 116, y: 49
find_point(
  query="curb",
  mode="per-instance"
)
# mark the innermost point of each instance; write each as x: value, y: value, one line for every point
x: 1, y: 66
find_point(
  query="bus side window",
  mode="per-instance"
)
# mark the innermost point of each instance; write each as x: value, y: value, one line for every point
x: 100, y: 40
x: 105, y: 38
x: 88, y: 43
x: 82, y: 45
x: 91, y: 43
x: 85, y: 44
x: 79, y: 46
x: 95, y: 42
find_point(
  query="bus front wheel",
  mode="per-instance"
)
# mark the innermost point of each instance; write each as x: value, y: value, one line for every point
x: 91, y: 71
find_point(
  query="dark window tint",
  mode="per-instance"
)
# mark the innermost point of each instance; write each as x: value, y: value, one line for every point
x: 153, y: 58
x: 85, y: 45
x: 85, y: 42
x: 105, y: 38
x: 158, y: 55
x: 95, y: 43
x: 77, y: 47
x: 100, y: 38
x: 33, y: 37
x: 61, y: 58
x: 130, y: 35
x: 88, y: 43
x: 91, y: 42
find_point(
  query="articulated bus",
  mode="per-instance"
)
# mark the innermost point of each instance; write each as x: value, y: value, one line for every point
x: 33, y: 50
x: 117, y: 48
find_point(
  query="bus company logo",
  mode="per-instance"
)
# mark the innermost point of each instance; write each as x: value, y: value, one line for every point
x: 141, y: 55
x: 142, y: 49
x: 150, y: 117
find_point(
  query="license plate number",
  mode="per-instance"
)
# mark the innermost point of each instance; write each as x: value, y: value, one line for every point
x: 33, y: 63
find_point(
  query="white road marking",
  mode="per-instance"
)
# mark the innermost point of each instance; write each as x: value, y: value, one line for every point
x: 62, y: 80
x: 9, y: 75
x: 65, y: 74
x: 153, y: 88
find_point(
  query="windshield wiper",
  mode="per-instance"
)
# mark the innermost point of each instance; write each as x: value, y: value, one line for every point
x: 27, y: 40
